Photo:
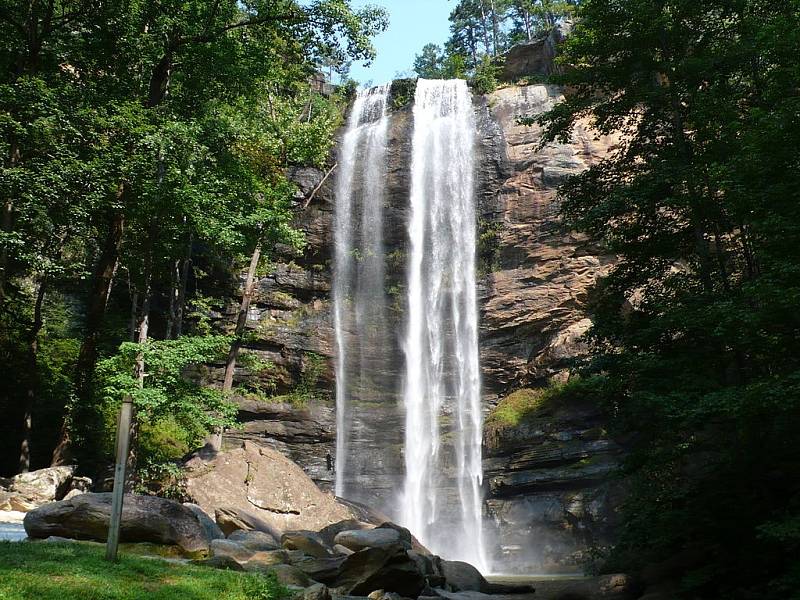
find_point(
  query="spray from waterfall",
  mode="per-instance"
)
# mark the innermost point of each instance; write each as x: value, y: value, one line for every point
x: 359, y: 303
x: 442, y: 376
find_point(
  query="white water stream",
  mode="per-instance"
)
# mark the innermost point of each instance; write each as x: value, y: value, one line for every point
x: 441, y: 499
x: 358, y: 297
x: 442, y: 378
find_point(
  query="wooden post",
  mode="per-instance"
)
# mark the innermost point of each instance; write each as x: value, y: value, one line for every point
x: 123, y: 445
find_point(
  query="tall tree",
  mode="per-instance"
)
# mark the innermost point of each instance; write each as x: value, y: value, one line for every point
x: 695, y: 342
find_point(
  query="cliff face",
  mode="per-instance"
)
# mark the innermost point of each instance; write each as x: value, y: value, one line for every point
x: 546, y: 483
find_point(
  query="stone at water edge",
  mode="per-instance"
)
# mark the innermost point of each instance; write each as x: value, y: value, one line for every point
x: 373, y: 569
x: 462, y: 577
x: 144, y: 519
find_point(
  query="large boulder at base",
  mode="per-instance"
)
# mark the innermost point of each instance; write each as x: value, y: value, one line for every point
x: 325, y: 570
x: 389, y: 569
x: 368, y: 538
x: 462, y: 577
x: 233, y: 549
x: 144, y: 519
x: 263, y: 482
x: 213, y: 532
x: 290, y: 576
x: 254, y: 540
x: 308, y: 542
x: 231, y: 520
x: 329, y: 533
x: 262, y: 561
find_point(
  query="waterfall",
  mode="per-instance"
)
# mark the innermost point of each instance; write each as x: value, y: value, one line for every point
x: 442, y: 375
x: 359, y: 303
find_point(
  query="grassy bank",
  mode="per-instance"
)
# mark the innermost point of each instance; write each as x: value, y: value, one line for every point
x: 44, y: 571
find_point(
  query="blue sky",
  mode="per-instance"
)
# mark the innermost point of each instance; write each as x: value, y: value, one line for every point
x: 412, y: 24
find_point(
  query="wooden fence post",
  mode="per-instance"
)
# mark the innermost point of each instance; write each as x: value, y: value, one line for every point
x: 118, y: 494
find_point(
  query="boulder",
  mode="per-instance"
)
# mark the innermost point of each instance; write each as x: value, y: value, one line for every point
x: 213, y: 532
x: 325, y: 570
x: 307, y: 541
x: 318, y: 591
x: 225, y: 547
x: 254, y: 540
x: 44, y: 485
x: 342, y: 550
x: 263, y: 482
x: 261, y: 561
x: 372, y: 569
x: 144, y: 519
x: 535, y: 57
x: 231, y: 519
x: 463, y: 577
x: 331, y: 531
x: 357, y: 540
x: 289, y: 575
x: 220, y: 562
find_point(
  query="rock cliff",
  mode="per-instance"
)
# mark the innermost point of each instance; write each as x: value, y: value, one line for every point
x: 545, y: 481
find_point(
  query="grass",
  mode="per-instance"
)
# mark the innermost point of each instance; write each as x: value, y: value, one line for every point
x: 513, y: 409
x: 49, y: 571
x: 527, y: 403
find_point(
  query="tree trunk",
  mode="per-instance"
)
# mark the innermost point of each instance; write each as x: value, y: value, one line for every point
x: 214, y: 441
x: 174, y: 284
x: 495, y: 28
x: 184, y: 282
x: 486, y: 42
x: 30, y: 396
x: 241, y: 321
x: 5, y: 225
x: 95, y: 313
x: 132, y: 318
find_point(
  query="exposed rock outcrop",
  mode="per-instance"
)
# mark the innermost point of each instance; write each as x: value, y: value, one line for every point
x: 535, y: 57
x: 262, y: 482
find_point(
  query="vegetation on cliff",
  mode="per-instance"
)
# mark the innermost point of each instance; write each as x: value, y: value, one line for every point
x: 696, y: 331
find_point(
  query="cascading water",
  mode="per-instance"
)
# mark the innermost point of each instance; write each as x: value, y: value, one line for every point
x: 442, y: 376
x: 358, y: 292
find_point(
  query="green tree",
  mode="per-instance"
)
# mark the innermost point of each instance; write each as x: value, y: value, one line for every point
x: 696, y: 328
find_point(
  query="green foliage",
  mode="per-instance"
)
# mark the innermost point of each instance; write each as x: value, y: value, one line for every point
x: 37, y: 571
x: 527, y: 403
x: 696, y: 328
x: 488, y: 246
x: 173, y: 409
x: 485, y: 79
x: 401, y: 93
